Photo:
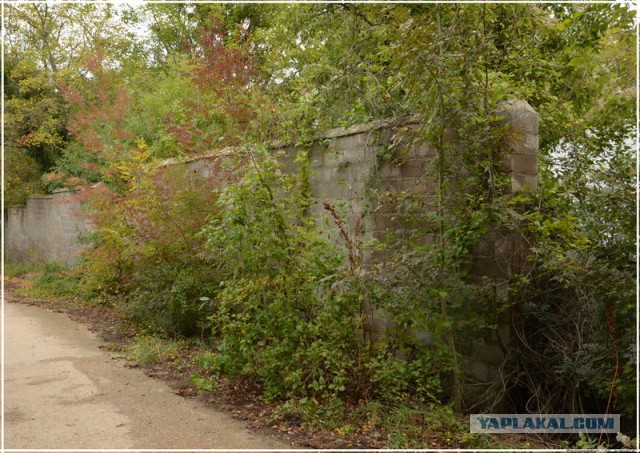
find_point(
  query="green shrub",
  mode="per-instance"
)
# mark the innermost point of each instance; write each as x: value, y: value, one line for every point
x: 277, y: 315
x: 20, y: 269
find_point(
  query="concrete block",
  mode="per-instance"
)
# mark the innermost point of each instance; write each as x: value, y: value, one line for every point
x: 520, y: 115
x: 328, y: 173
x: 484, y: 247
x: 532, y: 143
x: 382, y: 221
x: 506, y: 165
x: 504, y: 331
x: 387, y: 205
x: 328, y: 190
x: 421, y: 150
x: 376, y: 324
x: 331, y: 158
x: 524, y: 163
x: 488, y: 353
x: 362, y: 172
x: 413, y: 185
x: 522, y: 144
x: 316, y: 160
x: 346, y: 171
x: 475, y: 369
x: 388, y: 170
x: 354, y: 141
x: 489, y: 267
x: 413, y: 168
x: 354, y: 154
x: 520, y: 181
x: 396, y: 186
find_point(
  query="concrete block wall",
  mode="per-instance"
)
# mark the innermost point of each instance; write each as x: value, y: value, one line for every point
x: 503, y: 253
x: 356, y: 168
x: 46, y: 229
x: 353, y: 169
x: 523, y: 141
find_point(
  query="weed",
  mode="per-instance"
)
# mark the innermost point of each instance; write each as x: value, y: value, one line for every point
x: 52, y: 282
x: 20, y: 269
x: 204, y: 383
x: 146, y: 350
x: 413, y: 424
x: 328, y: 413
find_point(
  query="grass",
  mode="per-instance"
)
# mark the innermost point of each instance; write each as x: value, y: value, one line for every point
x: 150, y: 349
x: 413, y: 425
x: 13, y: 270
x: 52, y: 281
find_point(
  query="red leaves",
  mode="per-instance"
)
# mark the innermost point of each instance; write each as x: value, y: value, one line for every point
x: 190, y: 137
x: 353, y: 242
x: 103, y: 104
x: 95, y: 62
x: 220, y: 61
x: 28, y: 139
x: 75, y: 181
x: 89, y: 139
x: 71, y: 96
x: 54, y: 176
x: 223, y: 70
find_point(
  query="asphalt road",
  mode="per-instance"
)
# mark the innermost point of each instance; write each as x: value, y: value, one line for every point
x: 61, y: 391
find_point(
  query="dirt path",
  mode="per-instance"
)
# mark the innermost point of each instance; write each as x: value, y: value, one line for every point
x: 61, y: 391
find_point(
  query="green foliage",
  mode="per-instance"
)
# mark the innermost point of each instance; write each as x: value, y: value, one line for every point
x: 204, y: 383
x: 411, y: 425
x: 19, y: 269
x: 582, y: 292
x: 276, y: 301
x: 35, y: 113
x: 327, y: 413
x: 22, y: 176
x: 148, y: 255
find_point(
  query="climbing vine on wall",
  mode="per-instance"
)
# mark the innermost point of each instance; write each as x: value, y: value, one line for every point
x: 241, y: 263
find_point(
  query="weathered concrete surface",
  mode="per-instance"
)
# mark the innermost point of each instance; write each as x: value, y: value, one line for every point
x: 46, y: 229
x: 61, y: 391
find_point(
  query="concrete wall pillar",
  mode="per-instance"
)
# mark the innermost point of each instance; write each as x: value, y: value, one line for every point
x: 523, y: 141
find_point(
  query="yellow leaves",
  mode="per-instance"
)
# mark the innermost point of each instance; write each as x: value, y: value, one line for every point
x: 143, y: 152
x: 140, y: 143
x: 124, y: 170
x: 135, y: 164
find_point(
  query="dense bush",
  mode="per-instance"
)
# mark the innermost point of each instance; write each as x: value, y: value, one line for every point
x: 576, y: 328
x: 148, y: 256
x: 279, y: 312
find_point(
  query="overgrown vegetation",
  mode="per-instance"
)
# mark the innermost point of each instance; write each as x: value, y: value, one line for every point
x: 232, y: 256
x: 52, y: 281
